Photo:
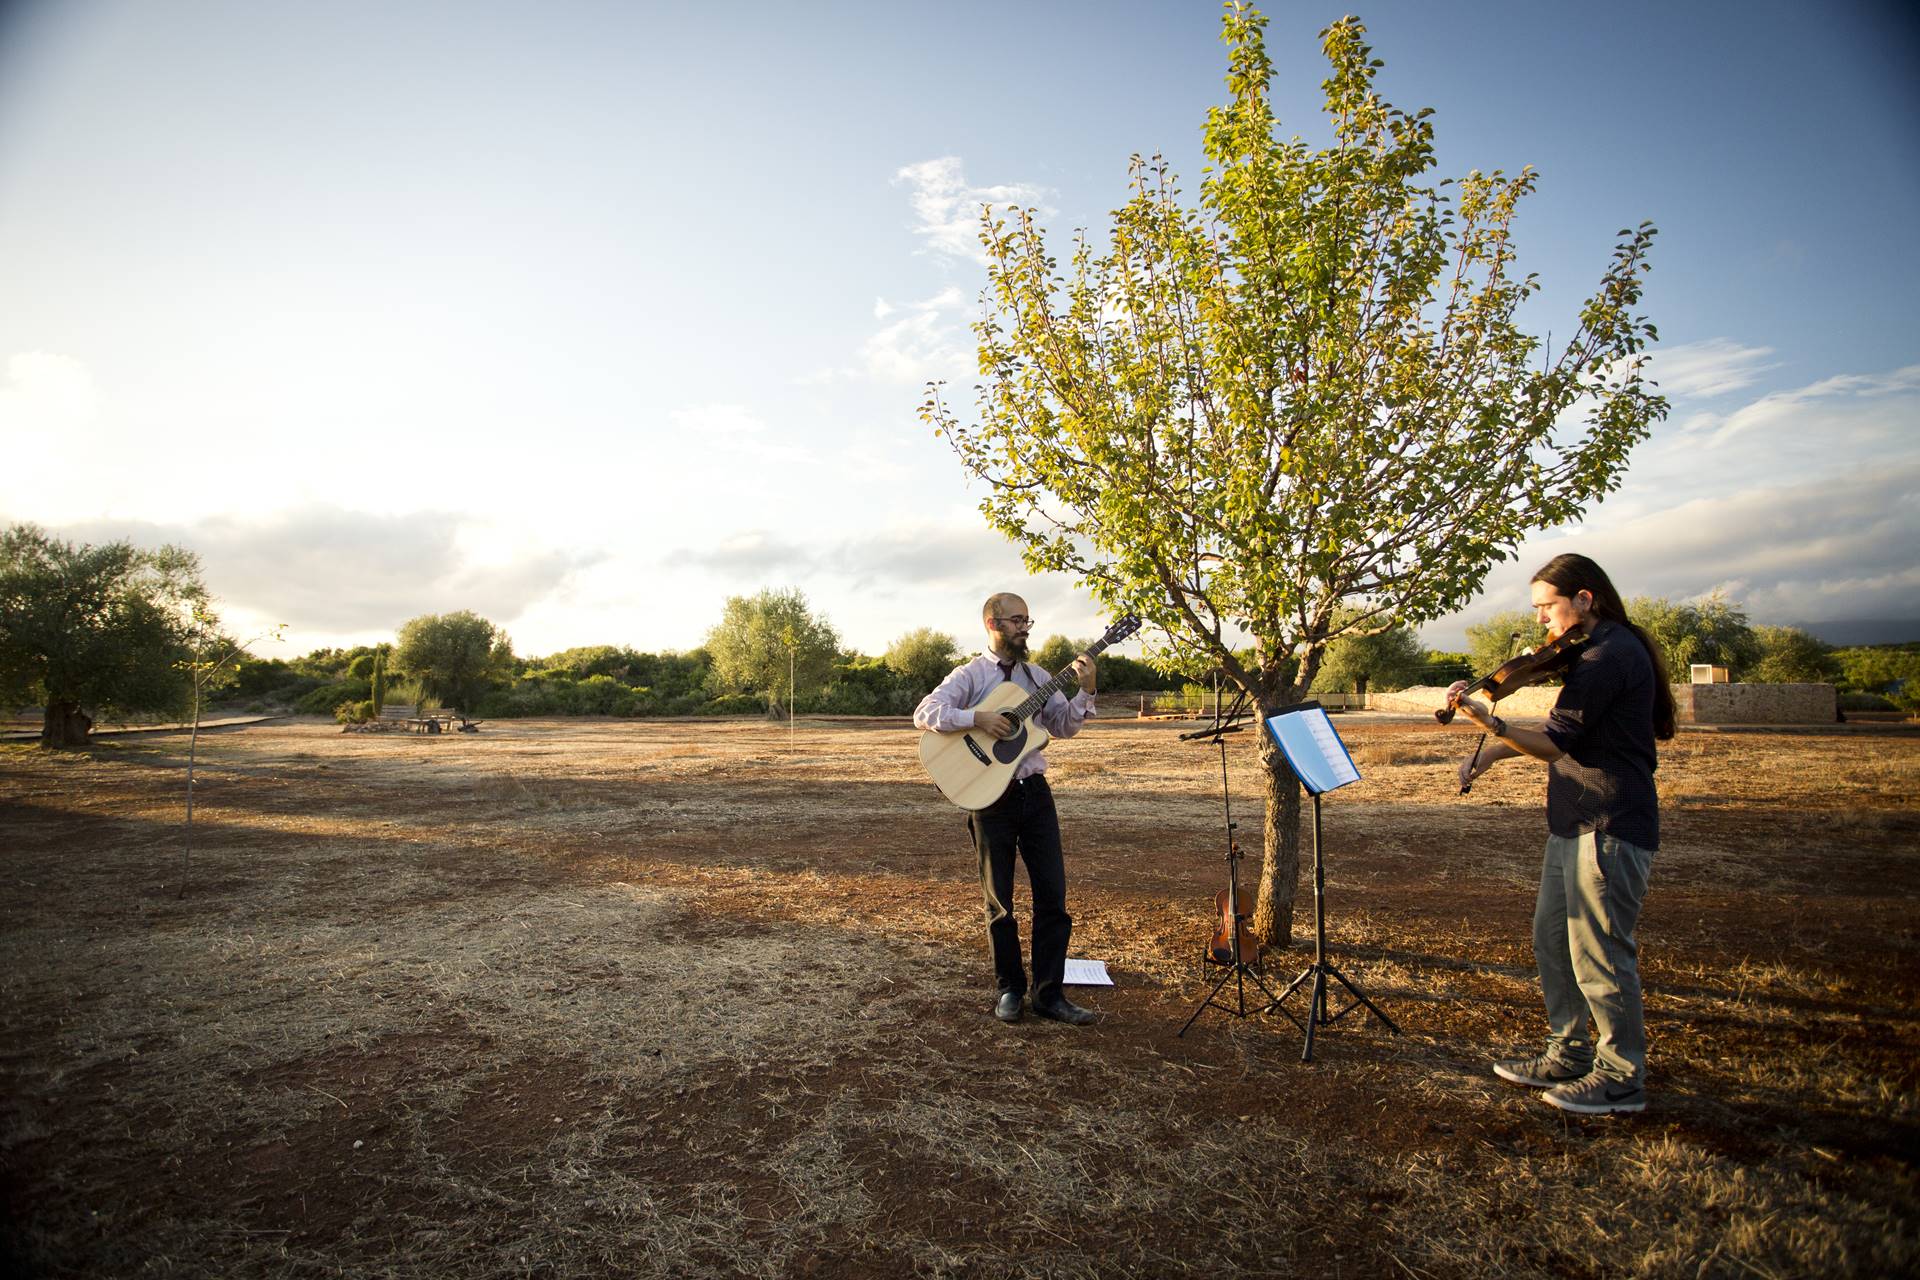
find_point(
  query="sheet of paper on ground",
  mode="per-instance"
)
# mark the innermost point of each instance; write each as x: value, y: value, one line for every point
x: 1087, y: 973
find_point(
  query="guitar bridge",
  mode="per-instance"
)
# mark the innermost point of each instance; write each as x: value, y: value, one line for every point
x: 978, y: 754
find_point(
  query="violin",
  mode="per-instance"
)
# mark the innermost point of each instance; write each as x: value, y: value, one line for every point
x: 1548, y: 660
x: 1221, y: 948
x: 1544, y: 663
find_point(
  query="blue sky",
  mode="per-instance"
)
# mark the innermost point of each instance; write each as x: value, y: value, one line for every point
x: 587, y: 316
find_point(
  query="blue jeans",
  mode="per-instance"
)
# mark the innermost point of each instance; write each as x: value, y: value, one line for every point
x: 1023, y: 822
x: 1591, y: 888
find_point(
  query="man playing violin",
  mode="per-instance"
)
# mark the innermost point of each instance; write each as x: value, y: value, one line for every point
x: 1603, y: 820
x: 1023, y: 821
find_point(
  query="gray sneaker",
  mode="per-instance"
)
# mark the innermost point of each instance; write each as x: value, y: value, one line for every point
x: 1598, y: 1095
x: 1543, y: 1072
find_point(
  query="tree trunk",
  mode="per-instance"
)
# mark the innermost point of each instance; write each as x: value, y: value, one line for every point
x: 65, y: 725
x: 1280, y: 867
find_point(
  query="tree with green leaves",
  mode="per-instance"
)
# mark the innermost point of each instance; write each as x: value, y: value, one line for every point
x: 454, y: 657
x: 1299, y: 410
x: 1893, y: 671
x: 107, y: 629
x: 1380, y: 661
x: 1058, y: 652
x: 1789, y: 655
x: 1712, y: 630
x: 770, y: 643
x: 377, y: 684
x: 923, y: 657
x: 1505, y: 635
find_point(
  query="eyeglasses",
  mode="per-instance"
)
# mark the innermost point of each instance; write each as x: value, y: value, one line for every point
x: 1018, y: 620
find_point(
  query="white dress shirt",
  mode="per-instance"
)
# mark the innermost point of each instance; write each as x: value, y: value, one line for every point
x: 950, y: 707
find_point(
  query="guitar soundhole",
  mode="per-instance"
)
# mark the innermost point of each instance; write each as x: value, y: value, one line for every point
x: 1007, y: 750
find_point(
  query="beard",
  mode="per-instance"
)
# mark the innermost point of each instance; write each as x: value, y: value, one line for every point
x: 1012, y: 648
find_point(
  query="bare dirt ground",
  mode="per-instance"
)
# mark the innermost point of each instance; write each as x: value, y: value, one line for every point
x: 580, y: 998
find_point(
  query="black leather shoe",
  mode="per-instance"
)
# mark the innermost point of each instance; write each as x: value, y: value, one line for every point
x: 1007, y: 1008
x: 1061, y: 1009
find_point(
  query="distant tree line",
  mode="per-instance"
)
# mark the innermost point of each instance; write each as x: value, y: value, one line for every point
x: 117, y: 630
x: 1714, y: 631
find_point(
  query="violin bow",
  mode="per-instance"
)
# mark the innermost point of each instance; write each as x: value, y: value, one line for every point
x: 1513, y: 642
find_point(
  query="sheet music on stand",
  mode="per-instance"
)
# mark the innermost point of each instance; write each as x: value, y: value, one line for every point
x: 1312, y: 746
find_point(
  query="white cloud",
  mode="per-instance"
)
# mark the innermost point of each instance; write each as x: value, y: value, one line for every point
x: 702, y: 432
x: 44, y: 391
x: 325, y: 571
x: 750, y: 554
x: 1802, y: 504
x: 49, y: 413
x: 1704, y: 369
x: 875, y: 586
x: 929, y: 342
x: 730, y: 421
x: 1862, y: 410
x: 947, y: 208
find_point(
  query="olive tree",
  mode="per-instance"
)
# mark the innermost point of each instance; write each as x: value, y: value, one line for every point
x: 1712, y: 629
x: 770, y: 642
x: 1379, y: 660
x: 1299, y: 409
x: 1505, y: 635
x: 1790, y: 655
x: 453, y: 657
x: 922, y: 658
x: 108, y: 628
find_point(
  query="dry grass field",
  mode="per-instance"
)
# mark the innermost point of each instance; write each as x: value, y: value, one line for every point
x: 585, y: 998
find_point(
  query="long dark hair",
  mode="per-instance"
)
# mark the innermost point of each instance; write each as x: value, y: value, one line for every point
x: 1570, y: 574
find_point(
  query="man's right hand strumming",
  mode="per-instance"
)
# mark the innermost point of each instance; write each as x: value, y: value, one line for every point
x: 994, y: 724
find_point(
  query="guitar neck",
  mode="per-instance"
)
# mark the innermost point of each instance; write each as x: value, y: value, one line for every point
x: 1038, y: 698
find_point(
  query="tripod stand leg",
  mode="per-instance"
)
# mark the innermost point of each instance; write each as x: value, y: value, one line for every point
x: 1280, y: 1001
x: 1318, y: 1002
x: 1361, y: 996
x: 1206, y: 1004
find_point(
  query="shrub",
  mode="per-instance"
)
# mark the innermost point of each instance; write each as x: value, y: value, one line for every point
x: 323, y: 700
x: 734, y: 704
x: 355, y: 712
x: 850, y: 699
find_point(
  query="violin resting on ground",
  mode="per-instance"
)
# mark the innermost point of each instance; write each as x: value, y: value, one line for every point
x: 1544, y: 663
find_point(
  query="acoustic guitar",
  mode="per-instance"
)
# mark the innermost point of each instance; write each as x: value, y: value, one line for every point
x: 972, y: 767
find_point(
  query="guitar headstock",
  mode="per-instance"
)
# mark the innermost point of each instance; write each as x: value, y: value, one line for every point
x: 1121, y: 629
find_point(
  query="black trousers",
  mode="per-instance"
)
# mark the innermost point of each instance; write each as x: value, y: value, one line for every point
x: 1023, y: 822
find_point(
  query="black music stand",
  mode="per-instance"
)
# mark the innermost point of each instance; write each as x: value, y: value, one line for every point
x: 1319, y: 759
x: 1240, y: 970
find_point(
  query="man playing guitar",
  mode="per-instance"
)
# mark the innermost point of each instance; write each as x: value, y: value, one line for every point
x: 1022, y: 821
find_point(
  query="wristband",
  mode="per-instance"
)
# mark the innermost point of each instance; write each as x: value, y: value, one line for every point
x: 1499, y: 727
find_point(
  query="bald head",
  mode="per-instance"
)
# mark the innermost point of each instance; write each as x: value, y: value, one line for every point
x: 1007, y: 623
x: 1004, y: 605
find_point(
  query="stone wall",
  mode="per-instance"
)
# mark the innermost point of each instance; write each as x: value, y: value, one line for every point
x: 1693, y: 703
x: 1756, y: 703
x: 1528, y: 704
